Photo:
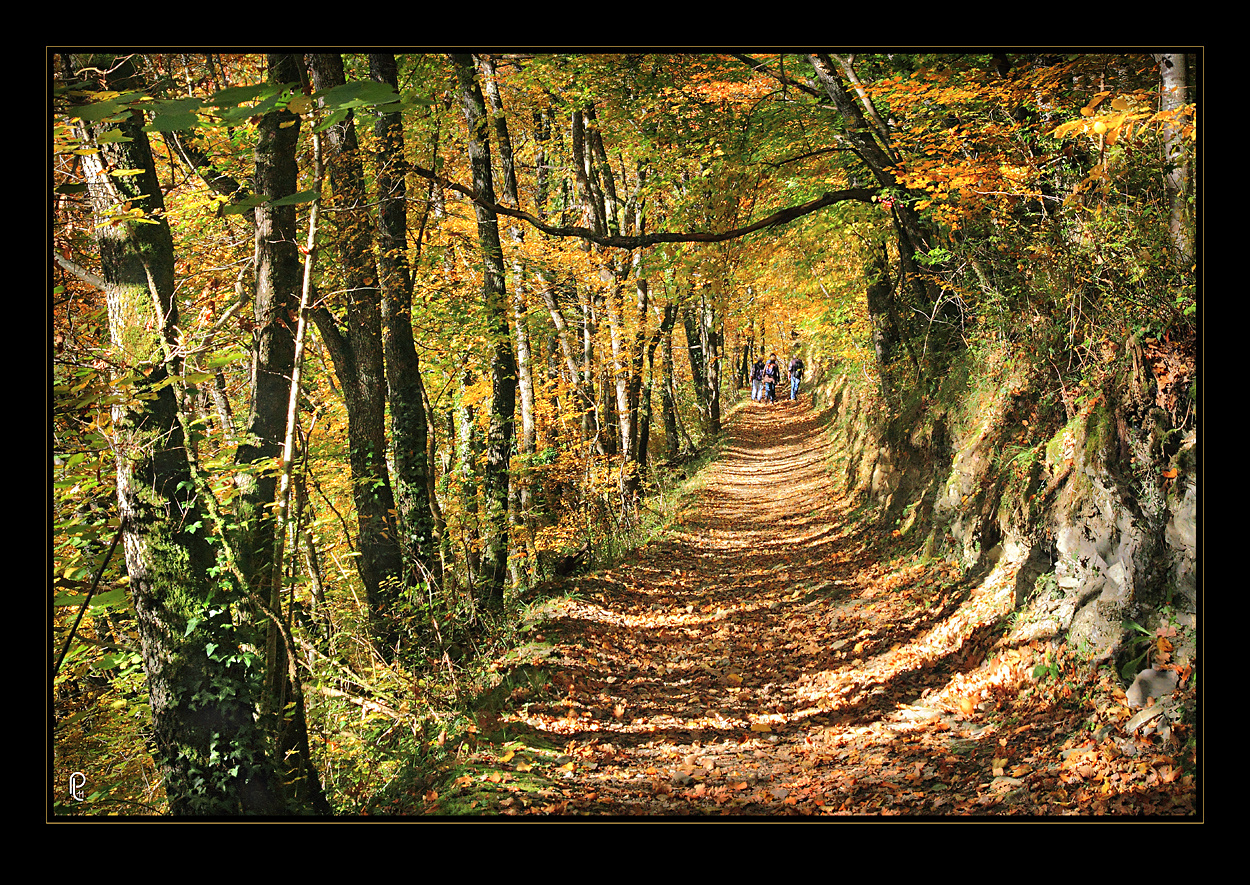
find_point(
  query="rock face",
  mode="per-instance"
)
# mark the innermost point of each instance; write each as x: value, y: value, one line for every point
x: 1101, y: 511
x: 1150, y: 684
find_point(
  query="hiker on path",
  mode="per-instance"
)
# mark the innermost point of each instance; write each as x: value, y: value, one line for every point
x: 757, y: 380
x: 772, y: 374
x: 796, y: 374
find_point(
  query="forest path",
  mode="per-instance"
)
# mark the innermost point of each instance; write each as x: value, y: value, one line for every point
x: 759, y: 659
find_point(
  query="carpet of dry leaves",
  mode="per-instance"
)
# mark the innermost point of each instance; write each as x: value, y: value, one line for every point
x: 769, y: 656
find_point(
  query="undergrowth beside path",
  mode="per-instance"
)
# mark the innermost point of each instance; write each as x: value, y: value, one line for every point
x: 771, y: 655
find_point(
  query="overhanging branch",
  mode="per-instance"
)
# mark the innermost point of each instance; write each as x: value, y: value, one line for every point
x: 860, y: 194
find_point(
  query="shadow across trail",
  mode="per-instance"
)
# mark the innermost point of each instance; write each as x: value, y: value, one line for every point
x: 740, y: 664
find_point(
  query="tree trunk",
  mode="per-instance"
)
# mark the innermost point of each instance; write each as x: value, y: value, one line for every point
x: 668, y: 393
x: 502, y: 361
x: 585, y: 401
x: 620, y: 371
x: 208, y: 745
x: 357, y: 353
x: 713, y: 342
x: 703, y: 344
x: 668, y: 317
x: 694, y: 349
x: 635, y: 447
x: 880, y: 298
x: 469, y: 449
x: 912, y: 238
x: 1173, y: 94
x: 409, y: 422
x: 526, y: 439
x: 578, y: 377
x: 276, y: 304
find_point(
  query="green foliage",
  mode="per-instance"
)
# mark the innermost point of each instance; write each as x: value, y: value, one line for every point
x: 1136, y: 650
x: 1048, y: 668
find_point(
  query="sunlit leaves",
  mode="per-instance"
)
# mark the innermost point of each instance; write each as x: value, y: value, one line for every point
x: 242, y: 205
x: 237, y: 96
x: 116, y: 598
x: 356, y: 94
x: 300, y: 104
x: 967, y: 137
x: 1124, y: 116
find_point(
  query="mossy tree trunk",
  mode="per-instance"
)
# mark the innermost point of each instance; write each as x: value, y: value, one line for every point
x: 203, y: 687
x: 409, y: 421
x: 356, y: 349
x: 500, y: 429
x: 527, y: 438
x: 279, y: 276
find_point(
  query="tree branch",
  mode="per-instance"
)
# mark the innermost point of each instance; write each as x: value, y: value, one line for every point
x: 199, y: 161
x: 861, y: 194
x: 847, y: 63
x: 81, y: 272
x: 760, y: 68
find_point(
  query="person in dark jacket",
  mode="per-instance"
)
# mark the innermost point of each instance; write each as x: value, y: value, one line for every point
x: 796, y: 374
x: 772, y: 374
x: 757, y: 380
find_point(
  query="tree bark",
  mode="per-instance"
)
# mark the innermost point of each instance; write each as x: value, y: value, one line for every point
x: 357, y: 354
x: 668, y: 392
x: 275, y: 303
x: 527, y: 438
x: 1173, y: 94
x: 502, y: 361
x: 208, y: 744
x: 564, y: 335
x: 469, y: 449
x: 409, y: 421
x: 668, y: 317
x: 279, y: 278
x: 703, y: 345
x: 881, y: 309
x: 912, y: 237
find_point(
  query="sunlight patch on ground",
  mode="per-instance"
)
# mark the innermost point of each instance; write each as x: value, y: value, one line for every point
x: 993, y: 599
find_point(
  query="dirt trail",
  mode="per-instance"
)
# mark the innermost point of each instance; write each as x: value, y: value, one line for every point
x: 761, y: 659
x: 699, y: 677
